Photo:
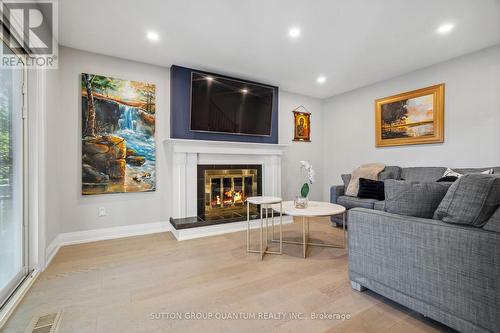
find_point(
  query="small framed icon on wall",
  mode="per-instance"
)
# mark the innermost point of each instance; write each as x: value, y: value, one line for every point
x: 302, y: 124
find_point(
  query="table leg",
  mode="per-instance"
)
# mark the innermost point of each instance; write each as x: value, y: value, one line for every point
x: 343, y: 229
x: 248, y: 226
x: 261, y: 234
x: 267, y: 224
x: 272, y: 223
x: 304, y: 235
x: 307, y: 229
x: 281, y: 225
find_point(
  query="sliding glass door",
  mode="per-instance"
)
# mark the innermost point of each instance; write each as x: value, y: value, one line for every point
x: 12, y: 152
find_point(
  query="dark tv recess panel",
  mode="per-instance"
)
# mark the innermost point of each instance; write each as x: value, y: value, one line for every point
x: 180, y: 112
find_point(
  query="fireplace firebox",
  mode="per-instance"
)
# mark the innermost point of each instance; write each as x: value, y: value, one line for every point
x: 223, y: 189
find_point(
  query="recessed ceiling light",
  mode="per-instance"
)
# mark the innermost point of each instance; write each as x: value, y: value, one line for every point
x: 445, y: 28
x: 153, y: 36
x: 244, y: 91
x: 209, y: 78
x: 321, y: 79
x: 294, y: 32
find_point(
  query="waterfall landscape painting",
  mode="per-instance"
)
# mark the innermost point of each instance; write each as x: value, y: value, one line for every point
x: 118, y: 135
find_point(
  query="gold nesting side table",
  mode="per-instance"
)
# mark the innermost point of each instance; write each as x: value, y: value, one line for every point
x: 265, y: 204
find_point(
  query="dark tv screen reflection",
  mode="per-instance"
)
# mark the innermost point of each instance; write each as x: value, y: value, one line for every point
x: 230, y: 106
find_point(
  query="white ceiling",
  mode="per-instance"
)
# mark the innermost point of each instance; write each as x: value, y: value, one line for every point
x: 352, y: 42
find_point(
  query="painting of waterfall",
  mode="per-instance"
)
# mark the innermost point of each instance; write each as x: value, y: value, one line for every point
x: 118, y: 135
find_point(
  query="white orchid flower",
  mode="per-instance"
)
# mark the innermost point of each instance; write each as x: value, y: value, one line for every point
x: 305, y: 165
x: 310, y: 171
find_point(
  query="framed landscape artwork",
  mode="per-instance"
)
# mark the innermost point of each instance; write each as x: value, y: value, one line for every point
x: 415, y: 117
x: 302, y: 125
x: 118, y: 135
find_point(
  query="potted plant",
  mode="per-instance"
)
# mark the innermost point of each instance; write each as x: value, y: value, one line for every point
x: 302, y: 200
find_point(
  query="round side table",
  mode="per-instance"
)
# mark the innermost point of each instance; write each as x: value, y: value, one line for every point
x: 265, y: 204
x: 314, y: 209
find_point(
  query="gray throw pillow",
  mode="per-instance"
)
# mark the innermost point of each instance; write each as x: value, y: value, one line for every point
x: 346, y: 178
x: 471, y: 200
x: 493, y: 223
x: 390, y: 172
x: 413, y: 198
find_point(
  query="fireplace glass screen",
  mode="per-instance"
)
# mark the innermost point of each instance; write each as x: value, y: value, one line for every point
x: 227, y: 190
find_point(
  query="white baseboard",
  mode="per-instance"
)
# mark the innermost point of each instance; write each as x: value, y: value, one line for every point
x: 219, y: 229
x: 51, y: 250
x: 87, y: 236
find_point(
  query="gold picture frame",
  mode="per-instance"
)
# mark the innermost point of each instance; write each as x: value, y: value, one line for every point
x: 302, y: 126
x: 410, y: 118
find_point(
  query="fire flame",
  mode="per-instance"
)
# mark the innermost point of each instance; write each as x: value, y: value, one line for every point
x: 237, y: 197
x: 230, y: 197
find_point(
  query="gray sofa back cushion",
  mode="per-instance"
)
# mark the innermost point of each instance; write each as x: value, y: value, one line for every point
x: 464, y: 171
x: 493, y: 223
x: 431, y: 174
x: 471, y: 200
x: 346, y: 178
x: 413, y: 198
x: 390, y: 172
x: 422, y: 174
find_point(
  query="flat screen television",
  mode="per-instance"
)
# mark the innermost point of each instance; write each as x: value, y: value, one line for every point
x: 226, y: 105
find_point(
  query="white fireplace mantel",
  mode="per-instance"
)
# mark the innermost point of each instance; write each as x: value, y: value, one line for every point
x: 185, y: 155
x: 223, y: 147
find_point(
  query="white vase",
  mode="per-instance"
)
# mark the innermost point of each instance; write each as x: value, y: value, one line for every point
x: 301, y: 202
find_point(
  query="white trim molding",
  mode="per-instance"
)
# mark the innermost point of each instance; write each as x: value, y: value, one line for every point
x: 224, y: 147
x: 219, y: 229
x: 87, y: 236
x: 186, y: 155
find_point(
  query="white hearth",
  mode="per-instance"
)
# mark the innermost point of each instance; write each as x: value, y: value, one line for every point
x: 185, y: 155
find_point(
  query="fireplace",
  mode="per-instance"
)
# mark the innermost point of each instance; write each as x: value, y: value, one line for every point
x: 223, y: 189
x: 188, y: 159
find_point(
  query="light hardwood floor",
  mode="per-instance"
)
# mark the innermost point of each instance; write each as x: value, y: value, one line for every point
x: 117, y: 286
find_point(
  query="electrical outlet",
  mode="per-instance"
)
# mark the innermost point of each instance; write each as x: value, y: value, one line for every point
x: 102, y: 211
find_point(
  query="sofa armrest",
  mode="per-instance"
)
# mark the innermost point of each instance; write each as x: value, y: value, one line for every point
x: 335, y: 192
x: 449, y: 267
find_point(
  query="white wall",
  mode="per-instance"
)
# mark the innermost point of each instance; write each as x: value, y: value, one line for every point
x: 52, y: 151
x: 292, y: 177
x: 472, y: 119
x: 342, y: 135
x: 77, y: 212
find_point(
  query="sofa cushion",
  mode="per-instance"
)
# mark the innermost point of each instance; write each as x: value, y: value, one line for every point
x: 461, y: 172
x: 353, y: 202
x: 371, y: 189
x: 346, y: 178
x: 368, y: 171
x: 390, y: 172
x: 447, y: 179
x: 413, y: 198
x: 422, y: 174
x: 471, y: 200
x: 379, y: 205
x: 465, y: 171
x: 493, y: 223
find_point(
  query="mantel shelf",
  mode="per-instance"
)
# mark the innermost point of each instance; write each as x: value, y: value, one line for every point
x: 223, y: 147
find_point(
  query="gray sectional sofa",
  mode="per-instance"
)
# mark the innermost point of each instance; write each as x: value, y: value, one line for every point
x: 447, y: 272
x: 418, y: 174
